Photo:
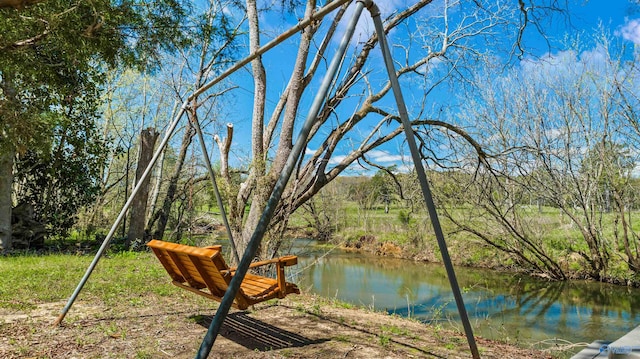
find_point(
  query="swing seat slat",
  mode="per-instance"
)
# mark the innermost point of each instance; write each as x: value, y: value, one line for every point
x: 204, y: 272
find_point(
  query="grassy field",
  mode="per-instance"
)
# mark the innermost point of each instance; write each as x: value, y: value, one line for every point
x: 29, y: 280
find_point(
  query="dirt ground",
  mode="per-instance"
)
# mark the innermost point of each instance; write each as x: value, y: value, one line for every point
x: 169, y: 327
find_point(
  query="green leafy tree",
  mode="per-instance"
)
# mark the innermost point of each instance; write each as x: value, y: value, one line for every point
x: 53, y: 56
x: 382, y: 189
x: 63, y: 176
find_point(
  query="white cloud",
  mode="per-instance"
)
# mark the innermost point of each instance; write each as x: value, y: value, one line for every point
x: 336, y: 159
x: 554, y: 133
x: 566, y: 65
x: 549, y: 65
x: 376, y: 156
x: 630, y: 31
x: 309, y: 152
x: 405, y: 168
x: 383, y: 156
x: 596, y: 59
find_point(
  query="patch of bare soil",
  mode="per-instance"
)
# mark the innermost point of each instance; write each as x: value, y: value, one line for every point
x: 173, y: 327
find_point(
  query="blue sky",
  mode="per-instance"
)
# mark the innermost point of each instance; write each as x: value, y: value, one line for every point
x: 585, y: 17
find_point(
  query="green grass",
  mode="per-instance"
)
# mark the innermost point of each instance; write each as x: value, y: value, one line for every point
x: 385, y: 340
x: 342, y: 338
x: 396, y: 331
x: 29, y: 280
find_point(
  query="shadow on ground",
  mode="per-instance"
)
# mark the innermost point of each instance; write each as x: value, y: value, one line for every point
x: 255, y: 334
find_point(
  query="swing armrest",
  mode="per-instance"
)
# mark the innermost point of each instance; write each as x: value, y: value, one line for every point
x: 280, y: 264
x: 282, y: 261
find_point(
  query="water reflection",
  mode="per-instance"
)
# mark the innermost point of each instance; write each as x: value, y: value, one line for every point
x: 500, y: 305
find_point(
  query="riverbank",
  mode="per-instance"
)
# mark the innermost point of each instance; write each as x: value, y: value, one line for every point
x: 300, y: 326
x: 470, y: 253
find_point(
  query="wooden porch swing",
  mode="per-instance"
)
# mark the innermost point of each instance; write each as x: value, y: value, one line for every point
x: 204, y: 272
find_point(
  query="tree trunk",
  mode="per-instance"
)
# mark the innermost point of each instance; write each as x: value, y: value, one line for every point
x: 138, y: 212
x: 162, y: 216
x: 153, y: 202
x: 261, y: 193
x: 224, y: 145
x: 6, y: 182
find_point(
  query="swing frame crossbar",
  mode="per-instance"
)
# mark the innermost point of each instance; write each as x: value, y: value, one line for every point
x: 294, y: 156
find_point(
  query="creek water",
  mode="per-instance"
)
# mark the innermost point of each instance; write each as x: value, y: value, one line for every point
x: 500, y: 305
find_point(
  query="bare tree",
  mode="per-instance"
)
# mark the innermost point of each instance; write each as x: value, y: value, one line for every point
x: 442, y: 47
x: 554, y: 133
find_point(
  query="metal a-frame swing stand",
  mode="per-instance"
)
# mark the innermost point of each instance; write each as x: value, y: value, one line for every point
x: 256, y: 238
